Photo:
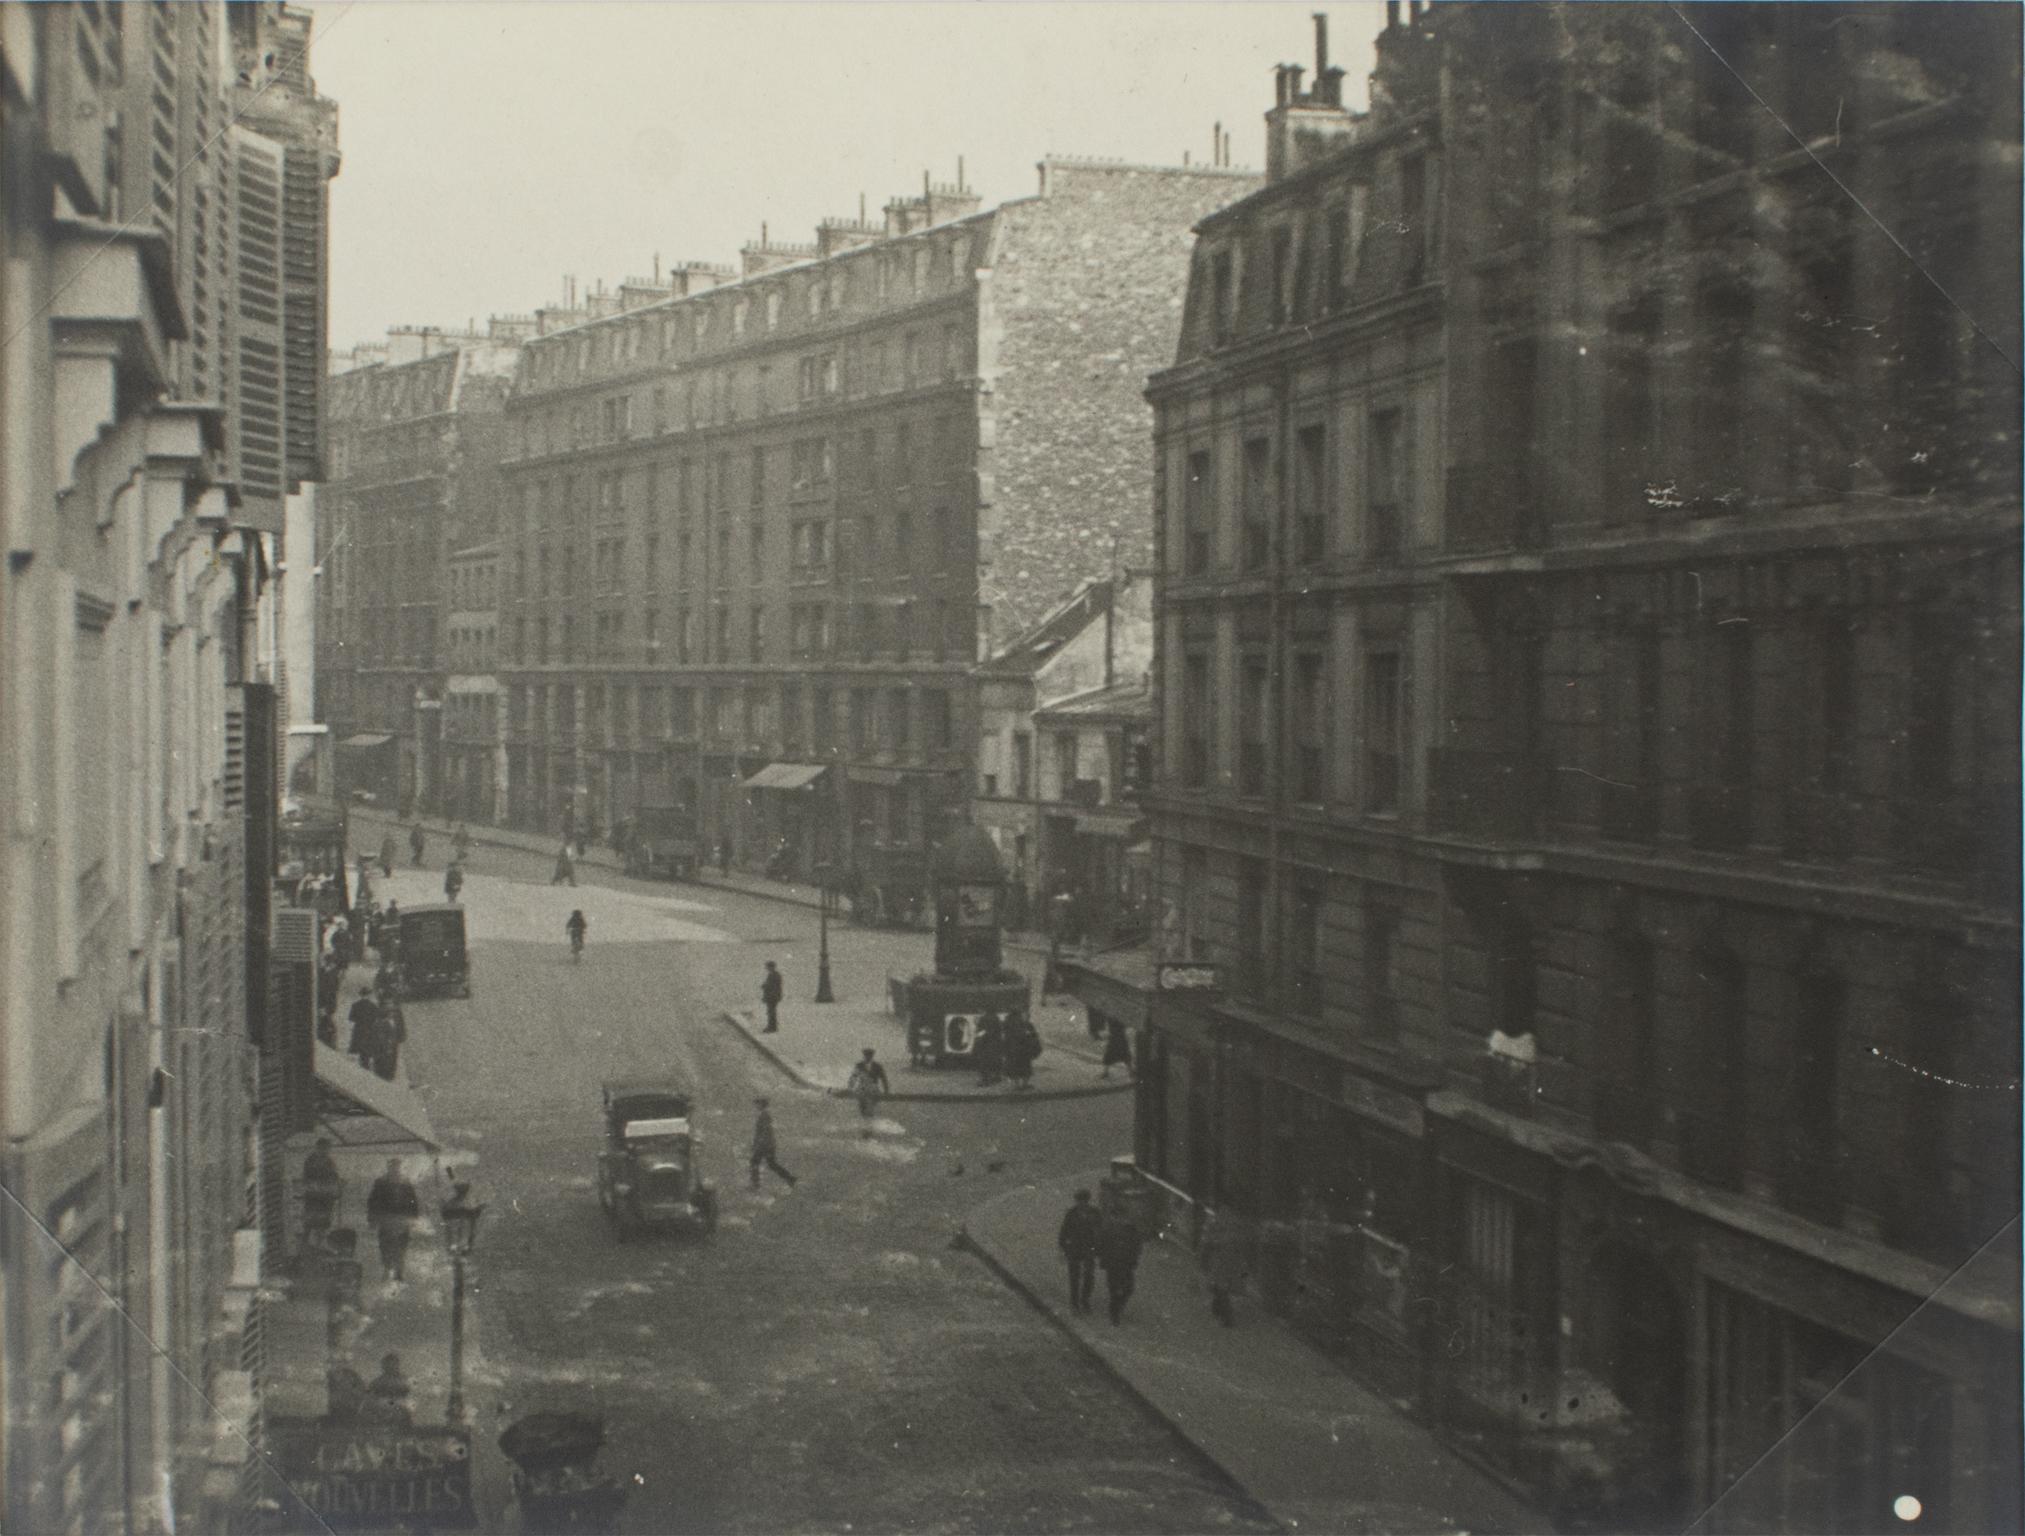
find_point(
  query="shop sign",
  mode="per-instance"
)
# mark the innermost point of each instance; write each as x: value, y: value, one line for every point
x: 1188, y: 976
x: 359, y: 1477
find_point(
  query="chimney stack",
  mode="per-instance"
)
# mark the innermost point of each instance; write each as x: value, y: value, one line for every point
x: 1321, y: 47
x: 1216, y: 143
x: 959, y: 173
x: 762, y: 232
x: 1391, y: 15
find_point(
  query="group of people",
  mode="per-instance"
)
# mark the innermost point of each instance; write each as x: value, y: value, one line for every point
x: 1006, y: 1048
x: 1091, y: 1239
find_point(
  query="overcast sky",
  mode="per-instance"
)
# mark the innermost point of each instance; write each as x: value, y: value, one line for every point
x: 491, y: 148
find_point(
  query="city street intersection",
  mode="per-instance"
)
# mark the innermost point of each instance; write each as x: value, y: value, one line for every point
x: 827, y: 1359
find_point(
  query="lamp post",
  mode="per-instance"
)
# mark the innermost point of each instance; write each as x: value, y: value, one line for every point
x: 827, y: 876
x: 460, y: 1233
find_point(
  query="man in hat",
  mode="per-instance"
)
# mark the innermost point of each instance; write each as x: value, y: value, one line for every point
x: 393, y: 1207
x: 869, y: 1084
x: 771, y: 988
x: 1081, y: 1227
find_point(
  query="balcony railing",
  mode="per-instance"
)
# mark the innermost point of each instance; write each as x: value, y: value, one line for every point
x: 1484, y: 794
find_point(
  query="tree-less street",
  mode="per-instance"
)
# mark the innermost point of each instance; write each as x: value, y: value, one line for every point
x: 827, y: 1359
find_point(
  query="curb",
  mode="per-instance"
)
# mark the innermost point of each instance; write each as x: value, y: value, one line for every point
x: 902, y: 1096
x: 1088, y: 1346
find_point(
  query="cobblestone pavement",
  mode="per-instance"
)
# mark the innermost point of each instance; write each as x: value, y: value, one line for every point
x: 826, y: 1360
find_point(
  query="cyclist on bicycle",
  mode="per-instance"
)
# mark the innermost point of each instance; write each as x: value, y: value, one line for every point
x: 576, y: 927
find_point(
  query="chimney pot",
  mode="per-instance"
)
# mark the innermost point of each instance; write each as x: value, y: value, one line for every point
x: 1321, y: 46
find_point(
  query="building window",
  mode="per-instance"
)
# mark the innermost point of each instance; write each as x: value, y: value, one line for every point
x: 1258, y: 506
x: 1304, y: 951
x: 1222, y: 298
x: 1023, y: 765
x: 1381, y: 977
x: 899, y: 717
x: 1197, y: 510
x: 822, y: 719
x: 1311, y: 494
x: 1624, y: 1108
x: 1309, y: 728
x: 1721, y: 807
x: 939, y: 724
x: 1249, y: 940
x: 1811, y: 1183
x: 861, y: 720
x: 1195, y: 720
x: 1254, y: 712
x: 1385, y: 483
x: 1629, y: 422
x: 1065, y: 764
x: 1283, y: 275
x: 757, y: 634
x: 1384, y: 720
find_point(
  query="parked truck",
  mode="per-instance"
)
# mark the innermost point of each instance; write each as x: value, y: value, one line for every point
x: 664, y: 844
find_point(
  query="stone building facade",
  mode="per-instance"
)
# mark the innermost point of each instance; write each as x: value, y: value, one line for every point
x: 138, y: 771
x: 415, y: 446
x: 757, y: 537
x: 1587, y: 690
x: 1029, y: 800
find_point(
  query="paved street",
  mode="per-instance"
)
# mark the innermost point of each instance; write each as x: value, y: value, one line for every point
x: 826, y: 1359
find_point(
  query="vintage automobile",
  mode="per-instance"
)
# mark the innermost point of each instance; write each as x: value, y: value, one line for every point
x: 434, y: 960
x: 647, y: 1172
x: 662, y: 842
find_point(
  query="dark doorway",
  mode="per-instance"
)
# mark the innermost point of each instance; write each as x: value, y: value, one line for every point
x: 1634, y: 1341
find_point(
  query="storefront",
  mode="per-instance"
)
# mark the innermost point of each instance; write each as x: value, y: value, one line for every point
x: 790, y: 816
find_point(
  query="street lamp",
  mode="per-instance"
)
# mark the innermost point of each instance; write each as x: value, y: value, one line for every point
x: 825, y: 874
x: 460, y: 1234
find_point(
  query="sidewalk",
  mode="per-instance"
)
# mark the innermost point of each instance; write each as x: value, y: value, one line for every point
x: 819, y: 1043
x: 597, y: 856
x: 1312, y: 1446
x: 310, y: 1328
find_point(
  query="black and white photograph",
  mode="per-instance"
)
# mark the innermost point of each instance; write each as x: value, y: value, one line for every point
x: 965, y: 767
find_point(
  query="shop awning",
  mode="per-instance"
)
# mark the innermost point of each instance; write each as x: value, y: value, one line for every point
x: 360, y: 1109
x: 366, y: 739
x: 787, y: 776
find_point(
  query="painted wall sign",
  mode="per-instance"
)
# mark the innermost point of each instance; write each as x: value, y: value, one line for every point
x: 357, y: 1477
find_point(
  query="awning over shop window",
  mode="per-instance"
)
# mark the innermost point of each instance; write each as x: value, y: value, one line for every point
x: 366, y: 739
x: 787, y: 776
x: 361, y: 1109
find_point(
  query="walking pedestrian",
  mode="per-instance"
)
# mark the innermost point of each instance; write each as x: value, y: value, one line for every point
x: 1022, y: 1047
x: 391, y: 1035
x: 1226, y: 1260
x: 418, y: 840
x: 565, y: 866
x: 460, y: 840
x: 393, y: 1207
x: 387, y: 1397
x: 771, y: 989
x: 765, y: 1151
x: 1117, y: 1049
x: 1118, y: 1245
x: 365, y: 882
x: 990, y: 1050
x: 320, y: 1186
x: 1082, y: 1226
x: 869, y: 1084
x: 363, y: 1046
x: 453, y: 882
x: 387, y: 856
